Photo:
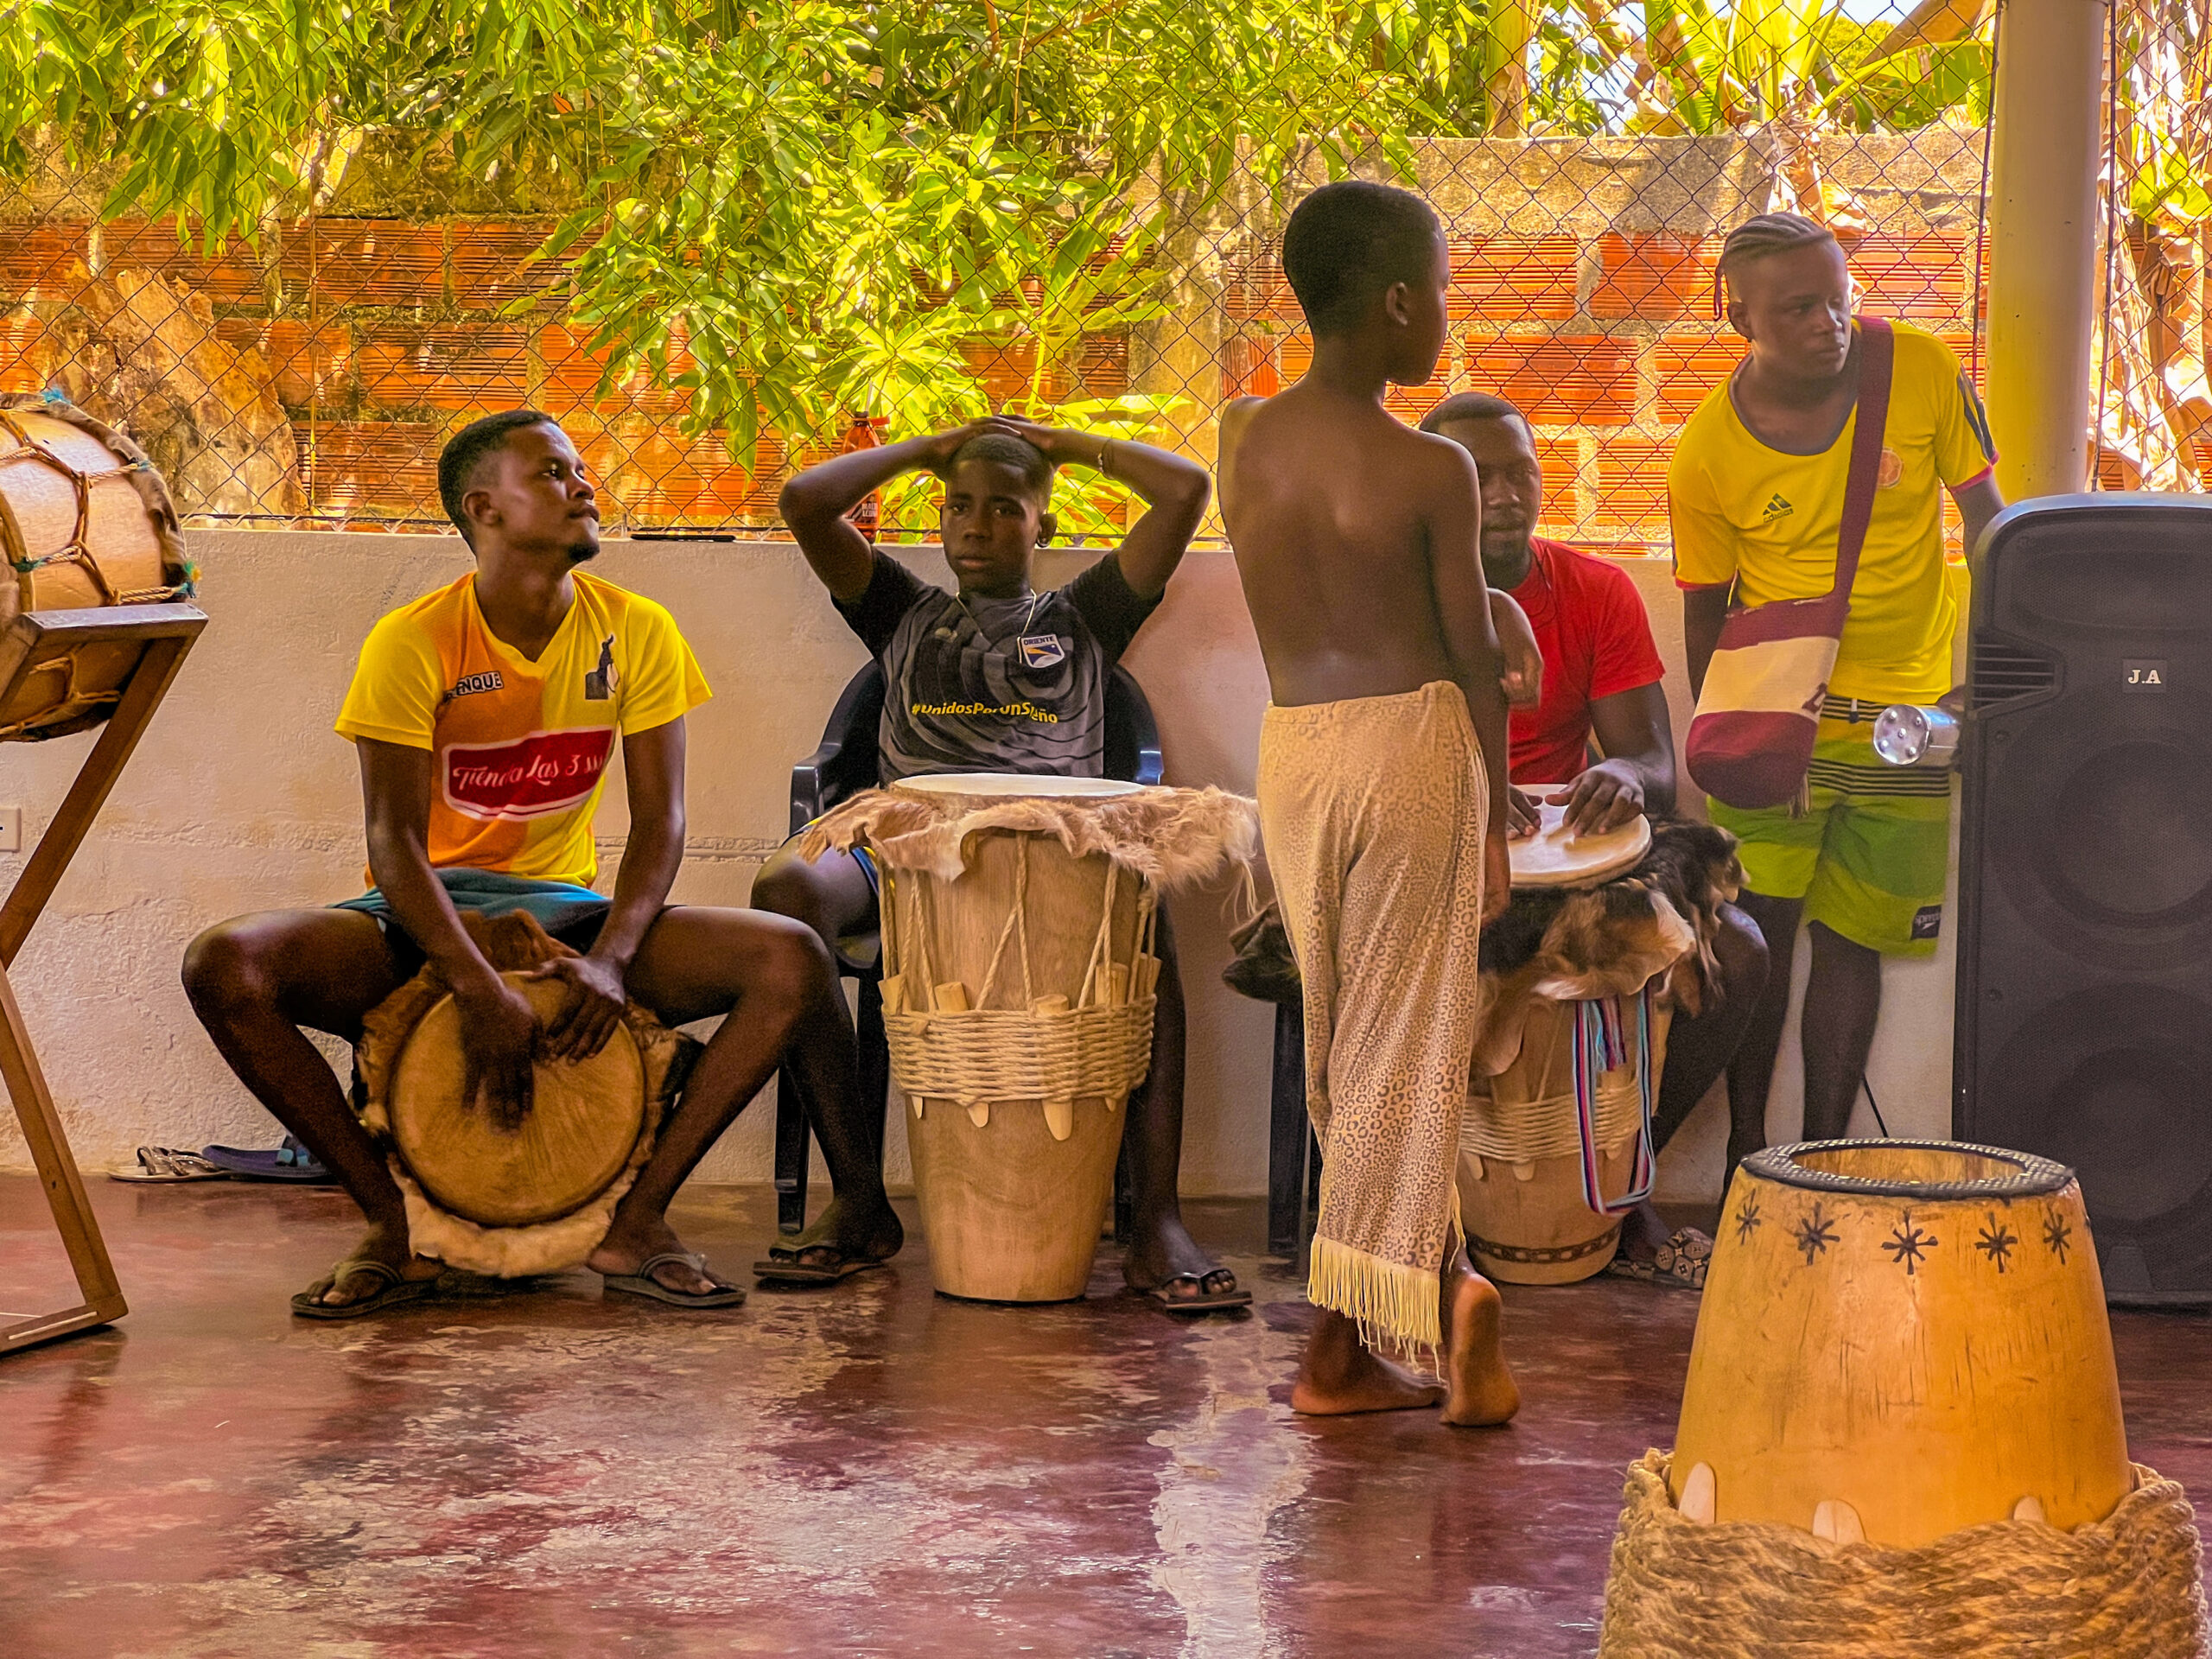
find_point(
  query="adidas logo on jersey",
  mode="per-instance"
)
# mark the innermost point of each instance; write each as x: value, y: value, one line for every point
x: 1775, y: 508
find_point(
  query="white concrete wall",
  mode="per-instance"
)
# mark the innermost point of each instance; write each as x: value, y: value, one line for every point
x: 241, y: 798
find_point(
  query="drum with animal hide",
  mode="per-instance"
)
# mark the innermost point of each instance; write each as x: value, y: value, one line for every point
x: 489, y: 1190
x: 84, y: 521
x: 1604, y: 936
x: 1018, y: 916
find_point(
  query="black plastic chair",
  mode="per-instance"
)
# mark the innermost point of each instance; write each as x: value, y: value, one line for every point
x: 845, y: 765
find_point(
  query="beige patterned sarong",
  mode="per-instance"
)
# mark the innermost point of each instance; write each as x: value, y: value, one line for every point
x: 1372, y: 811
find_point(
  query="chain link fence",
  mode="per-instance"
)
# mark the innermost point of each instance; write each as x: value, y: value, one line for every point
x: 1587, y: 161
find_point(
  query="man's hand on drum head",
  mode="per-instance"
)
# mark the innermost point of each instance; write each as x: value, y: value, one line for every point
x: 1521, y: 817
x: 1606, y: 797
x: 596, y: 999
x: 498, y: 1040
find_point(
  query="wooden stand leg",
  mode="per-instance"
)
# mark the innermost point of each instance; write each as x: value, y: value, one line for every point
x: 168, y: 632
x: 65, y: 1191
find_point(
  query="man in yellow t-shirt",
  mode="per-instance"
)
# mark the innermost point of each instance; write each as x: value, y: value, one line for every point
x: 484, y: 715
x: 1756, y: 490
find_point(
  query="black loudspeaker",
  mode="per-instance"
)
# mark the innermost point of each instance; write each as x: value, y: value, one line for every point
x: 2084, y: 1028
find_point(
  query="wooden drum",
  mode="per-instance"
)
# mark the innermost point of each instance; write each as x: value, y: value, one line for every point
x: 1018, y: 999
x: 584, y: 1121
x: 1900, y: 1340
x: 1532, y: 1159
x: 512, y: 1198
x: 84, y: 523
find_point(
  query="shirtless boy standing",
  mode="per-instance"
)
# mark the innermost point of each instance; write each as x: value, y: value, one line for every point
x: 1382, y: 785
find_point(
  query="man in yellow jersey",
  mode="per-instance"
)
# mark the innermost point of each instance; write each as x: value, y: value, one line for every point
x: 1757, y: 489
x: 484, y: 715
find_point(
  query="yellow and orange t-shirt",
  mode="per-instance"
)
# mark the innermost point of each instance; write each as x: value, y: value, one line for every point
x: 1769, y: 521
x: 520, y: 746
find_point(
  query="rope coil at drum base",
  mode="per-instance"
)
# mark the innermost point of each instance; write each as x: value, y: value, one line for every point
x: 2126, y: 1588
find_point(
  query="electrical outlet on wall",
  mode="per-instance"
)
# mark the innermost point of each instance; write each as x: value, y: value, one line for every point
x: 11, y: 829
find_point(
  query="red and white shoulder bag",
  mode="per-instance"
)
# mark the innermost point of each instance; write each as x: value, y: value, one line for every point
x: 1751, y: 741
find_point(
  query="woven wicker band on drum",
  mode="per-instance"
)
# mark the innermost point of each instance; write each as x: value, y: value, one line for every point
x: 2035, y: 1177
x: 1096, y: 1048
x: 2126, y: 1588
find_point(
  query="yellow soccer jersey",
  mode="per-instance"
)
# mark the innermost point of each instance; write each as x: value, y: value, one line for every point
x: 521, y: 748
x: 1769, y: 521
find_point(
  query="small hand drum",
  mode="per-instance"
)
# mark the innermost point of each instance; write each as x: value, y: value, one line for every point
x: 1553, y: 858
x: 583, y: 1124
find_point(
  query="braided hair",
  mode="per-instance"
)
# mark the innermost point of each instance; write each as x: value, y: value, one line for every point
x: 1767, y: 234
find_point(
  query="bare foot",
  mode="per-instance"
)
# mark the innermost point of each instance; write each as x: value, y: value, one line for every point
x: 385, y: 1245
x: 1483, y: 1392
x: 1339, y: 1377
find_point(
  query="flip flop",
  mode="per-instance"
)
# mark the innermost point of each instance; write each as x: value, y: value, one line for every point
x: 290, y: 1162
x: 170, y: 1164
x: 1205, y: 1301
x: 1679, y: 1264
x: 783, y: 1266
x: 642, y: 1283
x: 397, y: 1288
x: 1683, y: 1259
x: 779, y: 1270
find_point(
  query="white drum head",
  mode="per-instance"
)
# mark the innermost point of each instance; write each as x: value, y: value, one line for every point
x: 1552, y: 858
x: 999, y: 785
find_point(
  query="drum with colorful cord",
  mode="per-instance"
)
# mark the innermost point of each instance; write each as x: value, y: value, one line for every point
x: 1555, y: 1147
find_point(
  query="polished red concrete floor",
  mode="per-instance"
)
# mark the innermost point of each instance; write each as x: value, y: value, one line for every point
x: 867, y: 1470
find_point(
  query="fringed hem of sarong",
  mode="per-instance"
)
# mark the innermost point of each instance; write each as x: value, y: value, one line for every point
x: 1391, y: 1302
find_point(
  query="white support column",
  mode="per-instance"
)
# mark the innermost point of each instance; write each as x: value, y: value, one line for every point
x: 2043, y: 242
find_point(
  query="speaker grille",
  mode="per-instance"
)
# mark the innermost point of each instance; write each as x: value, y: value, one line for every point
x: 2002, y: 672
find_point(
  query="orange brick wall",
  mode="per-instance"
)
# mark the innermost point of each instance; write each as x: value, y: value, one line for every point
x: 1608, y: 345
x: 381, y: 336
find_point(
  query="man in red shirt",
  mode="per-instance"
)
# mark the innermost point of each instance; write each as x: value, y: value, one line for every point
x: 1602, y: 687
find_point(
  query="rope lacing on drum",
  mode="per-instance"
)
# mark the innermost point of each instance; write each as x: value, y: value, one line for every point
x: 77, y: 551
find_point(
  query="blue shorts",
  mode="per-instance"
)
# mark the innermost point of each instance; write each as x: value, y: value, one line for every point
x: 571, y: 914
x: 859, y: 855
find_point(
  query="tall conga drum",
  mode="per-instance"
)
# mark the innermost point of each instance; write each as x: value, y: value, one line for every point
x: 1018, y: 997
x: 86, y: 523
x: 510, y: 1195
x: 1555, y: 1145
x: 1901, y: 1434
x: 1902, y: 1338
x: 1018, y: 916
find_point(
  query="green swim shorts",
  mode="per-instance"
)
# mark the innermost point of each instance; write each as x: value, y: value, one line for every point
x: 1870, y: 858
